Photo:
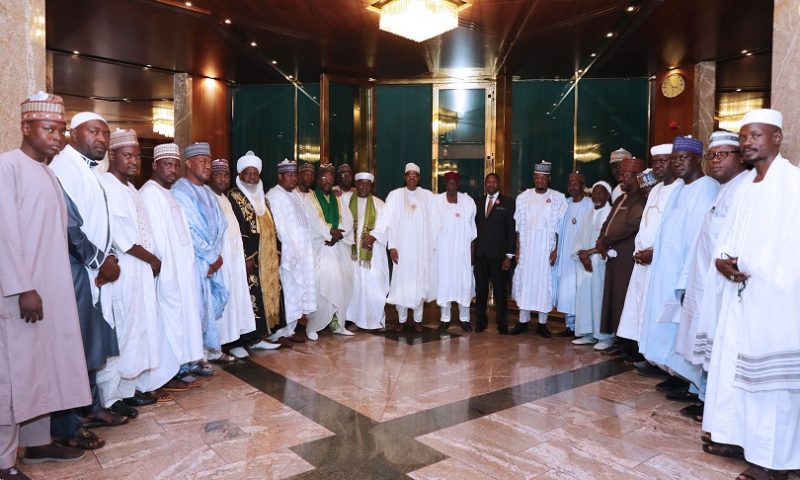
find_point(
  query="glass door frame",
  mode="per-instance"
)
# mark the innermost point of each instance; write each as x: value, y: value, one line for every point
x: 489, y: 125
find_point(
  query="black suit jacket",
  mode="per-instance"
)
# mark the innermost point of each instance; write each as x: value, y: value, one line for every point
x: 496, y: 234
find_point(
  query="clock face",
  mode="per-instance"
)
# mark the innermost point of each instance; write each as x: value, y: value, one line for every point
x: 673, y: 85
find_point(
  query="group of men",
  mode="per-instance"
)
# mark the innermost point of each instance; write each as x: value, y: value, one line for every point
x: 117, y: 297
x: 690, y: 275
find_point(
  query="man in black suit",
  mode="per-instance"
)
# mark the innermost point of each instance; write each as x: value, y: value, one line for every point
x: 493, y: 251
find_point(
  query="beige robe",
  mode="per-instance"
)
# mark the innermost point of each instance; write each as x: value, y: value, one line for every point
x: 42, y: 365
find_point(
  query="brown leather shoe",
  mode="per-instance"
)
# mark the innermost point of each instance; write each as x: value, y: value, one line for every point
x: 400, y: 327
x: 51, y: 453
x: 284, y: 342
x: 418, y: 327
x: 298, y: 338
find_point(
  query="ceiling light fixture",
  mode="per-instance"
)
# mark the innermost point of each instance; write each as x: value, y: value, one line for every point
x: 188, y: 4
x: 738, y: 89
x: 749, y: 54
x: 418, y: 20
x: 274, y: 62
x: 610, y: 34
x: 253, y: 44
x: 592, y: 54
x: 631, y: 8
x: 75, y: 52
x: 744, y: 52
x: 164, y: 120
x: 227, y: 21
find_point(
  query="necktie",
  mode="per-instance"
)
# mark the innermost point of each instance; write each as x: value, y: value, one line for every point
x: 490, y: 205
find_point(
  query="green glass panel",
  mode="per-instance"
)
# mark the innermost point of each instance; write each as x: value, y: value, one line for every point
x: 462, y: 137
x: 340, y: 125
x: 403, y: 134
x: 308, y: 124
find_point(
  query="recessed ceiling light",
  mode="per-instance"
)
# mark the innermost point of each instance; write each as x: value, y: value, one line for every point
x: 631, y: 8
x: 126, y: 100
x: 145, y: 68
x: 75, y: 52
x: 149, y: 66
x: 592, y: 54
x: 749, y: 54
x: 253, y: 44
x: 738, y: 89
x: 188, y: 4
x: 274, y: 62
x: 580, y: 71
x: 744, y: 52
x: 610, y: 34
x: 290, y: 77
x: 227, y: 21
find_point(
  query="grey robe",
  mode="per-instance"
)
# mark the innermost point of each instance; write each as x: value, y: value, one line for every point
x: 42, y: 366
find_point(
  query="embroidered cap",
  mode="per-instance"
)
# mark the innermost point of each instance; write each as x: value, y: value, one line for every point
x: 43, y: 106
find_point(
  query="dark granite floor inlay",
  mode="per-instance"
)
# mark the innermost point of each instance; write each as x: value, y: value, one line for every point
x: 365, y: 449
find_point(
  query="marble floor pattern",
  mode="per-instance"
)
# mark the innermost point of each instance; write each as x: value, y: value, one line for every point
x: 439, y: 405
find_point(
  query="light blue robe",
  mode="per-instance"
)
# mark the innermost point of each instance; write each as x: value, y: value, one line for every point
x: 672, y: 253
x: 565, y: 282
x: 207, y: 224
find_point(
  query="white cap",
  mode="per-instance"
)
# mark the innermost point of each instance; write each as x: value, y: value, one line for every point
x: 763, y: 115
x: 603, y: 184
x: 723, y: 137
x: 663, y: 149
x: 83, y: 117
x: 365, y: 176
x: 412, y: 167
x: 249, y: 159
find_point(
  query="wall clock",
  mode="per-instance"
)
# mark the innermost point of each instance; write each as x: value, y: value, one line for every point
x: 673, y: 85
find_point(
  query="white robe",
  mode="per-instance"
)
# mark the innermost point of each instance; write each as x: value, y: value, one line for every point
x: 589, y: 286
x: 134, y: 298
x: 538, y: 217
x: 297, y: 259
x: 176, y: 292
x: 701, y: 304
x: 753, y: 392
x: 452, y: 276
x: 333, y: 269
x: 82, y: 184
x: 672, y: 253
x: 370, y: 282
x: 238, y: 317
x: 411, y: 222
x: 565, y: 271
x: 630, y: 322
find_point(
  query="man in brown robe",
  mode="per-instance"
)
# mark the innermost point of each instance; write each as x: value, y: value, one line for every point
x: 42, y: 368
x: 616, y: 245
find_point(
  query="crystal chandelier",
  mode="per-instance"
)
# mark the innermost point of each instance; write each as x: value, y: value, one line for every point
x: 164, y: 120
x: 418, y: 20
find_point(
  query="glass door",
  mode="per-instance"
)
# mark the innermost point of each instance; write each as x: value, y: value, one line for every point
x: 463, y: 137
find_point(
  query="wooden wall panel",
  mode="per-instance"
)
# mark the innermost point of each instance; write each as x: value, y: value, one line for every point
x: 664, y: 110
x: 211, y: 116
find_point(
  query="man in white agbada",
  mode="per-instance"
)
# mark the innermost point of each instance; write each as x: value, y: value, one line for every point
x: 699, y: 310
x: 631, y: 319
x: 672, y: 252
x: 368, y: 254
x: 238, y: 317
x: 753, y: 392
x: 134, y: 294
x: 411, y: 222
x: 591, y: 269
x: 452, y: 275
x: 539, y: 213
x: 565, y: 271
x: 331, y: 226
x: 617, y: 156
x: 297, y: 259
x: 178, y: 306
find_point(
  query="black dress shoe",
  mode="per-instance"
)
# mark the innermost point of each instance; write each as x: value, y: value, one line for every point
x: 612, y: 351
x: 502, y: 330
x: 682, y: 396
x: 120, y: 408
x: 444, y: 326
x: 479, y: 327
x: 519, y: 328
x: 568, y: 332
x: 672, y: 384
x: 652, y: 371
x: 466, y: 326
x: 140, y: 400
x: 543, y: 332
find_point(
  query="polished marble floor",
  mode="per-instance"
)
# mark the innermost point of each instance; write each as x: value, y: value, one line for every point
x: 428, y: 406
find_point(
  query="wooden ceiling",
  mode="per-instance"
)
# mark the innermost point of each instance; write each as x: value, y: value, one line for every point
x: 130, y: 48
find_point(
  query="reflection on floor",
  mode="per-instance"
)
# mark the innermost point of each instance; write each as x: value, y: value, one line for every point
x: 454, y: 406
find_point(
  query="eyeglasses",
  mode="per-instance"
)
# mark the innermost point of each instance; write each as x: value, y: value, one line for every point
x: 721, y: 154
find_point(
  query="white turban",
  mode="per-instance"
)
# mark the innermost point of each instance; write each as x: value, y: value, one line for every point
x: 603, y: 184
x: 412, y: 167
x: 365, y: 176
x: 248, y: 160
x: 83, y: 117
